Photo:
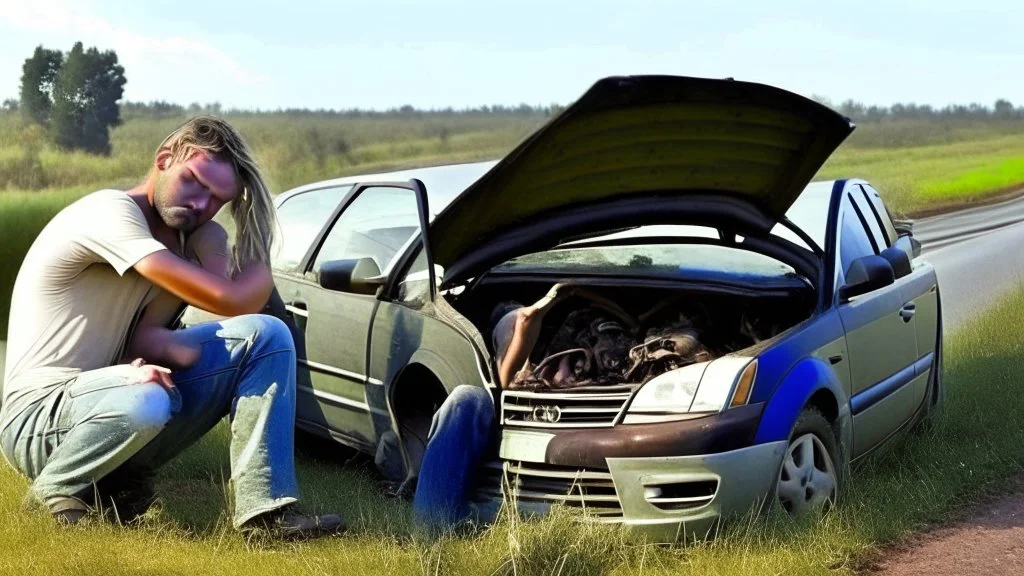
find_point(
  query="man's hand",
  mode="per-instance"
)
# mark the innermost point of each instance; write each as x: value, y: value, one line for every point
x: 153, y: 373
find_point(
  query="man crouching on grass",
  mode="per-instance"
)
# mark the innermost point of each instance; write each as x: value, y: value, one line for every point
x: 99, y: 394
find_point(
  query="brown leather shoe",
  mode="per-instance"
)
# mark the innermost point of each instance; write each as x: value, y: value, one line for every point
x: 68, y: 511
x: 288, y: 523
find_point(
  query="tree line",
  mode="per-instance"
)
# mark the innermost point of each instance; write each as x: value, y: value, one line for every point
x: 75, y: 99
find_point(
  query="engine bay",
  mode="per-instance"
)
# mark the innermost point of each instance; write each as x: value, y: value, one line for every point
x: 606, y: 335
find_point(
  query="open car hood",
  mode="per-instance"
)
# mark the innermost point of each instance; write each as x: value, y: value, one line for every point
x: 633, y: 137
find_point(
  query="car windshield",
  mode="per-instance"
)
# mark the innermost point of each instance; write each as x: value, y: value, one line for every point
x: 660, y: 259
x: 809, y: 213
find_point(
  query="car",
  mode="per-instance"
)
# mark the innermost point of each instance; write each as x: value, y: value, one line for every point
x: 672, y: 197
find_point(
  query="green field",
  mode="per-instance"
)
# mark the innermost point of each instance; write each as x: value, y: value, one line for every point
x: 917, y: 164
x: 975, y: 449
x: 920, y: 177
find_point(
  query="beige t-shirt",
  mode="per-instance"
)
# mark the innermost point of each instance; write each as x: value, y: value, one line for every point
x: 77, y: 298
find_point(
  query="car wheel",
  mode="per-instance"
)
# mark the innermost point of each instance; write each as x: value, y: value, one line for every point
x: 809, y: 476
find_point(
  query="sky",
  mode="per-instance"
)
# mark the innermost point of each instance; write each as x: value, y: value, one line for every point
x: 380, y: 54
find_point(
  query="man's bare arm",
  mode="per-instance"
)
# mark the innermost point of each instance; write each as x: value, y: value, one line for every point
x: 157, y: 344
x: 526, y: 331
x: 246, y: 293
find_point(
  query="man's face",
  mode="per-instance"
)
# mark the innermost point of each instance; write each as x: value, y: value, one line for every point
x: 188, y: 194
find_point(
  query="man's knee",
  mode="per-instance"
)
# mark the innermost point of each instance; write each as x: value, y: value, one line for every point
x: 267, y: 331
x: 145, y: 406
x: 469, y: 403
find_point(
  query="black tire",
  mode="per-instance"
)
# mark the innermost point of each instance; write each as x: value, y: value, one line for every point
x: 812, y: 421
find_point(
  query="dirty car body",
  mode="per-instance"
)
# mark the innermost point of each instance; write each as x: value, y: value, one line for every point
x: 685, y: 193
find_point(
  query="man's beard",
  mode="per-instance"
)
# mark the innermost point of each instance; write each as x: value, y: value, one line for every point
x: 175, y: 217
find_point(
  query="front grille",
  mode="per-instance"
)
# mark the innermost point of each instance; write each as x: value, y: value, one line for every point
x: 562, y: 410
x: 527, y: 482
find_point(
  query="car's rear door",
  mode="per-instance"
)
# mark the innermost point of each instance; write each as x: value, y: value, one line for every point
x: 303, y: 219
x: 372, y: 222
x: 919, y: 290
x: 882, y: 346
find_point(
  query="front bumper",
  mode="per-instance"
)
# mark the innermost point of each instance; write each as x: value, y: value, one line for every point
x: 663, y: 499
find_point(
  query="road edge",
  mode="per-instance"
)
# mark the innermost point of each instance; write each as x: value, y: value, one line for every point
x: 997, y: 196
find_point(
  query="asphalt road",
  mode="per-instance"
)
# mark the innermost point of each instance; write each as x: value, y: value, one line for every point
x: 978, y: 255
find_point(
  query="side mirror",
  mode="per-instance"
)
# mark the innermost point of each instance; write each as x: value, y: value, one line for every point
x: 866, y: 274
x: 909, y: 244
x: 359, y: 276
x: 899, y: 258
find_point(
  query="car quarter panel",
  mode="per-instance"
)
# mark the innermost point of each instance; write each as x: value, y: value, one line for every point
x: 808, y: 377
x: 402, y: 336
x: 821, y: 336
x: 922, y: 288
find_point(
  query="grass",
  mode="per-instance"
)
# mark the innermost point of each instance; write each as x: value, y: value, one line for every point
x: 974, y: 450
x: 293, y: 148
x: 918, y: 177
x: 916, y: 164
x: 22, y: 216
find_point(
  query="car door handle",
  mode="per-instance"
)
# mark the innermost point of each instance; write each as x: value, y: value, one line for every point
x: 297, y: 308
x: 908, y: 311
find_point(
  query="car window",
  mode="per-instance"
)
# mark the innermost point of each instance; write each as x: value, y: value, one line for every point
x: 881, y: 213
x: 300, y: 218
x: 414, y: 287
x: 867, y: 211
x: 853, y: 239
x: 376, y: 224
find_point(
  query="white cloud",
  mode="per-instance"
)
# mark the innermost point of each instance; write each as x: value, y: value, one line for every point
x: 173, y: 57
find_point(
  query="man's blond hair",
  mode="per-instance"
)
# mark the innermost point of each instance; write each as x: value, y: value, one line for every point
x: 252, y: 209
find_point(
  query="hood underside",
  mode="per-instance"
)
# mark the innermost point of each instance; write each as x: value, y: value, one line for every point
x: 642, y: 135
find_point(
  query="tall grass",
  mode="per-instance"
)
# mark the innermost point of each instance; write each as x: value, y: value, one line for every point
x: 917, y: 164
x: 974, y: 450
x: 293, y: 148
x: 22, y: 216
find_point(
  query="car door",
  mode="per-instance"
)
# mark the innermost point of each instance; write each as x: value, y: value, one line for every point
x: 919, y: 290
x: 373, y: 222
x: 881, y: 345
x: 302, y: 220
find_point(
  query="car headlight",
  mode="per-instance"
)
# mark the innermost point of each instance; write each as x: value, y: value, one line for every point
x: 695, y: 389
x: 672, y: 391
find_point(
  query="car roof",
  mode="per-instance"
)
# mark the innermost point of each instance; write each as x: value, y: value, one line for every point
x: 444, y: 182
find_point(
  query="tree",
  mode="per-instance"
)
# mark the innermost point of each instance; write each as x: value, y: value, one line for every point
x: 1004, y: 108
x: 85, y: 95
x: 38, y: 75
x: 10, y: 105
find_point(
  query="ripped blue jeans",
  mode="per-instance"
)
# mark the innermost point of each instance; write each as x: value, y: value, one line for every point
x: 103, y: 421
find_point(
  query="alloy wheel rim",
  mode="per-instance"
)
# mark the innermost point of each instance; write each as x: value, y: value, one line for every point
x: 807, y: 478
